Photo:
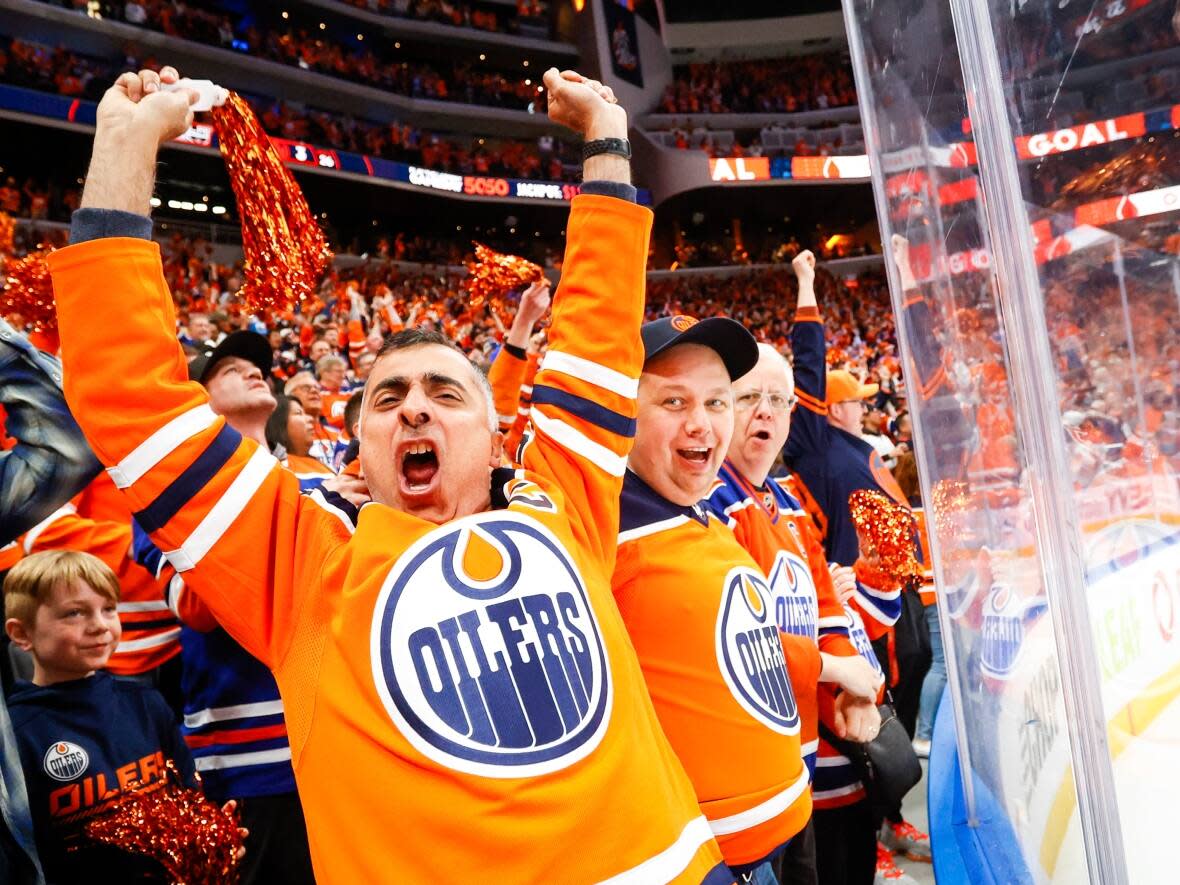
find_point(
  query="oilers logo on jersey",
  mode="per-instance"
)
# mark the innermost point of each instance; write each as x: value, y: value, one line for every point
x: 486, y: 651
x: 750, y: 652
x: 796, y: 607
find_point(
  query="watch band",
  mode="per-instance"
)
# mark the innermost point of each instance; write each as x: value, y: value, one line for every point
x: 620, y: 147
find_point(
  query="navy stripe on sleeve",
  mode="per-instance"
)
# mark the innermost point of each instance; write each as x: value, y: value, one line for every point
x: 182, y: 489
x: 587, y: 410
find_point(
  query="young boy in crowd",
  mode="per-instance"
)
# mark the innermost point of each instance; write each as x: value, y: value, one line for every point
x: 84, y: 736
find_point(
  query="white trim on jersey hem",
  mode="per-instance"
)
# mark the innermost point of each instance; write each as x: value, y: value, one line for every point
x: 669, y: 863
x: 160, y: 445
x: 577, y: 442
x: 34, y: 533
x: 588, y: 370
x: 227, y: 509
x: 764, y: 811
x: 834, y: 621
x: 242, y: 760
x: 147, y: 642
x: 832, y: 761
x: 820, y: 795
x: 155, y: 605
x: 810, y: 748
x: 652, y: 528
x: 237, y: 711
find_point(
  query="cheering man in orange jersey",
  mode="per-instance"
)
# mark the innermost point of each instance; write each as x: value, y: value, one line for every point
x: 723, y: 677
x: 450, y: 660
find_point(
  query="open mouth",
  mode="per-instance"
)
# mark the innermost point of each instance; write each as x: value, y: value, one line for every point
x: 763, y: 435
x: 419, y: 466
x: 697, y: 456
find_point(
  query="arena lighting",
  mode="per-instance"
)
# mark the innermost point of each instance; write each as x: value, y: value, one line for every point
x: 579, y: 5
x: 833, y: 240
x: 218, y: 210
x: 154, y: 201
x: 285, y: 14
x: 526, y: 62
x: 360, y: 36
x: 483, y: 57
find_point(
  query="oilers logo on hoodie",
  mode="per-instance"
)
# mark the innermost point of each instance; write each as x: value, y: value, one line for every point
x: 479, y: 669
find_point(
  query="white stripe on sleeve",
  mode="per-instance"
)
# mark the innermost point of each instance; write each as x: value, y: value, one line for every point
x: 160, y: 444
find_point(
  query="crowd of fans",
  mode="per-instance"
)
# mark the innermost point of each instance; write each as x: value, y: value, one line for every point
x: 546, y: 158
x: 764, y: 86
x: 714, y: 249
x: 529, y: 14
x: 35, y: 66
x: 312, y: 50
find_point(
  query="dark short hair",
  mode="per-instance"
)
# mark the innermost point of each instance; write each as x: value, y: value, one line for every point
x: 276, y: 424
x: 418, y: 337
x: 414, y: 338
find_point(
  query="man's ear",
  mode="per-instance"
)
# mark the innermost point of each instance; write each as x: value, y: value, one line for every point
x: 19, y: 634
x: 497, y: 453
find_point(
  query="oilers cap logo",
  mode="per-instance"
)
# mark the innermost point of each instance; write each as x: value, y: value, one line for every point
x: 796, y: 608
x: 65, y: 761
x: 750, y: 653
x: 486, y: 651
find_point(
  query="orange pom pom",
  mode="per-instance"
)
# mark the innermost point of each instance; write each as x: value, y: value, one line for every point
x: 492, y: 274
x: 28, y: 291
x: 194, y: 840
x: 284, y: 249
x: 887, y: 531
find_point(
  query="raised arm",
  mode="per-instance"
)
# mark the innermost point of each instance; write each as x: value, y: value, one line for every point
x: 51, y: 461
x: 583, y: 406
x: 511, y: 364
x: 218, y: 505
x: 809, y: 423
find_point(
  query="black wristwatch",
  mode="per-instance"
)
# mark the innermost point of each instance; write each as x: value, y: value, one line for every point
x: 620, y: 147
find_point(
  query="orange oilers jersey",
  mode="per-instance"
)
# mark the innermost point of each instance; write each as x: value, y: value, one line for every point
x: 701, y: 617
x: 151, y: 633
x: 472, y: 679
x: 102, y: 502
x: 780, y: 536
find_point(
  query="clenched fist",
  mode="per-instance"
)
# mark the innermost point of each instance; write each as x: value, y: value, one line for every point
x: 584, y: 105
x: 135, y: 107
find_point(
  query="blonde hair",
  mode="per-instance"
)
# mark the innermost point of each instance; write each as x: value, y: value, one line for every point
x: 31, y: 580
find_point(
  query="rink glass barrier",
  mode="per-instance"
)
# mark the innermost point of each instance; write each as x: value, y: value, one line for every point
x: 1028, y: 152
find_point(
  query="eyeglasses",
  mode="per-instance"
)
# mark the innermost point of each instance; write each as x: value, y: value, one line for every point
x: 779, y: 402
